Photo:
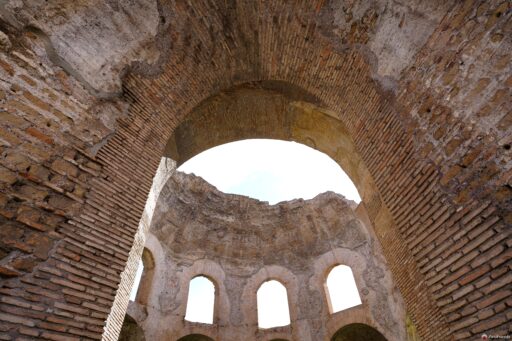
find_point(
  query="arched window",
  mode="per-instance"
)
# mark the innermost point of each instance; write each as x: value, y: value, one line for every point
x: 341, y: 289
x: 201, y: 300
x: 273, y: 310
x: 136, y: 282
x: 143, y: 278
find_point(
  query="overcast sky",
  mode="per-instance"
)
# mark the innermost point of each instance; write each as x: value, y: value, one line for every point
x: 270, y: 170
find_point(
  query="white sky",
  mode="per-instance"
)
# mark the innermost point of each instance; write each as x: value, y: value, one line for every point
x: 136, y: 283
x: 342, y: 288
x: 201, y: 298
x: 273, y: 310
x: 271, y: 170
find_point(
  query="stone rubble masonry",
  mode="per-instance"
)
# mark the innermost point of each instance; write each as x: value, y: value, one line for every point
x: 238, y: 243
x: 423, y: 90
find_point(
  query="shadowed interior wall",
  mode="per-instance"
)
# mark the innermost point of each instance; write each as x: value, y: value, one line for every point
x: 358, y: 332
x: 422, y: 88
x: 131, y: 331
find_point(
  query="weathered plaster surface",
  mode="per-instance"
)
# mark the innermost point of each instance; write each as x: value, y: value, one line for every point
x: 240, y: 242
x: 93, y: 40
x: 390, y: 33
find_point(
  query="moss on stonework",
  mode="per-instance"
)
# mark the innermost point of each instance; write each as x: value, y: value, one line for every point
x: 412, y: 334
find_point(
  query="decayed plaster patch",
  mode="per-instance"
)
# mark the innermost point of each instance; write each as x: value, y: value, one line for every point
x: 95, y: 41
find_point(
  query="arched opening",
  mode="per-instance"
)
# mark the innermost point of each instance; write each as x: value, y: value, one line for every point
x: 263, y: 111
x: 195, y: 337
x: 358, y: 332
x: 143, y: 278
x: 136, y: 281
x: 290, y: 120
x: 201, y: 300
x: 341, y: 289
x: 131, y: 331
x: 272, y: 303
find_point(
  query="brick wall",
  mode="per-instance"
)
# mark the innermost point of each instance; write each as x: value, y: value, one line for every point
x: 66, y: 231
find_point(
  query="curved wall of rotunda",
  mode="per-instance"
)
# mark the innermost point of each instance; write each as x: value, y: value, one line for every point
x: 239, y: 243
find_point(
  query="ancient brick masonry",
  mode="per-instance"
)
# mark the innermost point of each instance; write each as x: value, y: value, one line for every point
x: 48, y: 258
x: 423, y: 90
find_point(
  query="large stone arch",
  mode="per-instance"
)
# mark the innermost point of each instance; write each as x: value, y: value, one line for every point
x: 279, y: 110
x: 430, y: 121
x: 259, y: 110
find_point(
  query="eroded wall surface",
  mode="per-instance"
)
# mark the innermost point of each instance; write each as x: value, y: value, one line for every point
x: 239, y: 243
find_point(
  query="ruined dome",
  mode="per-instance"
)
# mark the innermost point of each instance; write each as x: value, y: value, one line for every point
x: 239, y: 243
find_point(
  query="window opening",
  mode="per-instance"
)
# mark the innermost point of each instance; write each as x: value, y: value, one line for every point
x: 273, y: 309
x: 341, y: 289
x: 136, y: 282
x: 201, y: 300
